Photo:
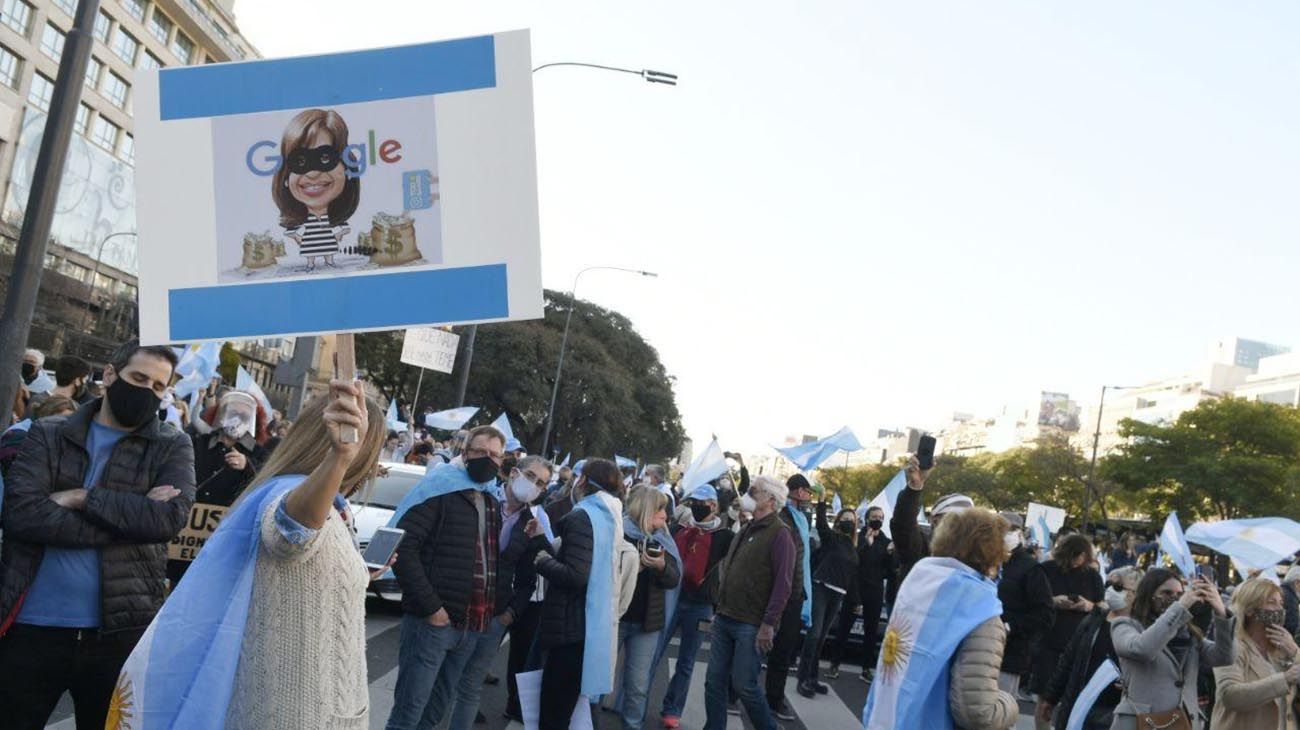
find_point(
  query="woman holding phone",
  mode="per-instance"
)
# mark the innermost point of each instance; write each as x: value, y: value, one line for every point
x: 644, y: 526
x: 1160, y: 652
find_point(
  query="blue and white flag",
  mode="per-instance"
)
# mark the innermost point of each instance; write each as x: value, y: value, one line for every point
x: 1174, y: 544
x: 441, y: 479
x: 452, y: 419
x: 885, y: 500
x: 810, y: 455
x: 182, y: 671
x: 1104, y: 677
x: 1259, y: 542
x: 600, y: 648
x: 624, y: 462
x: 197, y: 366
x: 941, y: 601
x: 394, y: 422
x: 566, y: 459
x: 709, y: 465
x: 800, y: 521
x: 502, y: 424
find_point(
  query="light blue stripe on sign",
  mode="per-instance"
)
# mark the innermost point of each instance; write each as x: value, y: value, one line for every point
x: 339, y: 304
x: 215, y: 90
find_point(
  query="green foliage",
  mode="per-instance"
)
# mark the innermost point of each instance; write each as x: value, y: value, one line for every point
x: 1223, y: 459
x: 615, y: 394
x: 855, y: 483
x: 228, y: 368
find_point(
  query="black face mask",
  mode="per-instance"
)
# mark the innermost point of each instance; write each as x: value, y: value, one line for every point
x: 700, y: 512
x: 844, y: 526
x: 875, y: 524
x: 481, y: 470
x: 29, y: 373
x: 132, y: 405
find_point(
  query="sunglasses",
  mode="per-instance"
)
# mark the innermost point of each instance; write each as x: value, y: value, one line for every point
x: 318, y: 159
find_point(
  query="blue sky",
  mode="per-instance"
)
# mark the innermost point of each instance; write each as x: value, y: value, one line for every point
x: 875, y: 214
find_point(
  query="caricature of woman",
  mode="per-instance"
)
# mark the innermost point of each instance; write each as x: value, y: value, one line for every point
x: 312, y: 187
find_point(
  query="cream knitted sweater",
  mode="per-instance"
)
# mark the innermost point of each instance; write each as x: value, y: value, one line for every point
x: 302, y: 665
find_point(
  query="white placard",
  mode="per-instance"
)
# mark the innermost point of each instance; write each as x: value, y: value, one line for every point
x: 430, y: 347
x: 338, y: 193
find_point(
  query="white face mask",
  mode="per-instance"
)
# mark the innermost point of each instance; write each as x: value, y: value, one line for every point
x: 523, y: 489
x: 747, y: 504
x: 1116, y: 598
x: 1011, y: 540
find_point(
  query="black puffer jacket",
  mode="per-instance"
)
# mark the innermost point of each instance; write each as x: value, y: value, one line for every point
x: 837, y: 560
x: 130, y: 530
x: 564, y: 612
x: 1026, y: 608
x: 435, y: 565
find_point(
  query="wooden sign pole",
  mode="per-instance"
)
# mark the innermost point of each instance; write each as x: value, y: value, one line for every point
x: 345, y: 368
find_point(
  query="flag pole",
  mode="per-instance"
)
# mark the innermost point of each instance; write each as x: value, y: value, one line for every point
x: 416, y: 400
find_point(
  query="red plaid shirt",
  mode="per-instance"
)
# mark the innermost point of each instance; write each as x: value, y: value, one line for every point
x: 482, y: 599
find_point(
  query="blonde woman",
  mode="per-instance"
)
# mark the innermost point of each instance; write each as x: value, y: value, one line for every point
x: 1256, y: 690
x: 645, y: 527
x: 268, y: 628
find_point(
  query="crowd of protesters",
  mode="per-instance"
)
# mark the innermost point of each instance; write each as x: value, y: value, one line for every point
x: 585, y: 568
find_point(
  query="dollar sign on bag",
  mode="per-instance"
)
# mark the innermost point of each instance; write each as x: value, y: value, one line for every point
x: 257, y: 253
x: 394, y: 240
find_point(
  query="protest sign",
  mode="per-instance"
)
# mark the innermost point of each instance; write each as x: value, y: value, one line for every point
x: 1043, y: 521
x: 202, y: 522
x: 430, y: 347
x: 345, y: 192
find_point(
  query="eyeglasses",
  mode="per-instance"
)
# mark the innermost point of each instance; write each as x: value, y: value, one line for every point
x: 532, y: 477
x: 474, y: 452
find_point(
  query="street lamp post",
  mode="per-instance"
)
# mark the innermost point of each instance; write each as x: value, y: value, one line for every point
x: 1092, y: 466
x: 651, y: 77
x: 94, y: 274
x: 564, y: 343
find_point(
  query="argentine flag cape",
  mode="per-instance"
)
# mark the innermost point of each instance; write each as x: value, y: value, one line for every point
x: 441, y: 479
x: 600, y: 651
x: 182, y: 671
x: 941, y: 601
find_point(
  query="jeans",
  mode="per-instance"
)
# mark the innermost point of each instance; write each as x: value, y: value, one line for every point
x: 825, y: 606
x: 429, y: 655
x: 688, y: 616
x: 483, y: 650
x: 734, y: 658
x: 39, y: 663
x: 638, y: 656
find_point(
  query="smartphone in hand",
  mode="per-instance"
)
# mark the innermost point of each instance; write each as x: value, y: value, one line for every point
x: 925, y: 452
x: 382, y: 546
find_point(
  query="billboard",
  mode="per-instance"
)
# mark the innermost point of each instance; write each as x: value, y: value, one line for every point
x: 338, y: 193
x: 1058, y: 411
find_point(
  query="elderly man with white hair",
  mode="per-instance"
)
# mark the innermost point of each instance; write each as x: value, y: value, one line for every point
x: 755, y: 584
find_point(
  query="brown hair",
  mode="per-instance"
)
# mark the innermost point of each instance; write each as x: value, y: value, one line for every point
x: 298, y: 135
x: 490, y: 431
x: 53, y: 406
x: 1070, y: 547
x: 973, y: 536
x: 309, y: 441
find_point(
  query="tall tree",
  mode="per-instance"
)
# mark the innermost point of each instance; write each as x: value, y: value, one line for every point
x: 615, y: 394
x: 1223, y: 459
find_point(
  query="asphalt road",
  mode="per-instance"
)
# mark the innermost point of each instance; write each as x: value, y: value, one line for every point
x: 840, y: 710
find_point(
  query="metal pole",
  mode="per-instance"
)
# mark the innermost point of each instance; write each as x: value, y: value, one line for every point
x: 559, y: 367
x: 94, y: 274
x: 462, y: 378
x: 29, y: 258
x: 1092, y: 467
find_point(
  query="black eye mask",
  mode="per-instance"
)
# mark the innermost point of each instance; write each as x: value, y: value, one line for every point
x: 319, y: 159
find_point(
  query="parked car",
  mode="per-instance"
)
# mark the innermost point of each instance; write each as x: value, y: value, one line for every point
x: 373, y: 507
